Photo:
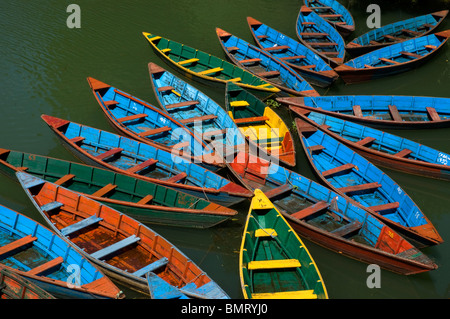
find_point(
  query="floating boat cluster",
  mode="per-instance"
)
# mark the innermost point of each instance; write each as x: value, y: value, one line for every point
x: 187, y: 161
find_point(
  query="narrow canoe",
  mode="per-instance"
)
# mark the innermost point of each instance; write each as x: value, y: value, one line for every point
x: 274, y: 263
x: 14, y: 286
x: 300, y: 58
x: 393, y: 59
x: 331, y: 220
x: 334, y: 13
x: 140, y: 160
x: 264, y: 65
x: 396, y: 32
x: 351, y: 175
x: 184, y: 102
x: 204, y: 67
x: 263, y: 127
x: 382, y: 148
x: 124, y: 248
x: 147, y: 124
x: 383, y: 111
x: 40, y: 256
x: 143, y: 200
x: 318, y: 35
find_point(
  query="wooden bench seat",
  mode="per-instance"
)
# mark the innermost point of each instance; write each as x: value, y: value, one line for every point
x: 273, y: 264
x: 104, y: 190
x: 255, y: 119
x: 340, y: 169
x: 330, y: 53
x: 132, y: 117
x: 322, y: 44
x: 199, y: 119
x: 295, y: 57
x: 308, y: 23
x: 145, y: 200
x: 414, y: 55
x: 19, y: 243
x: 255, y: 60
x: 268, y: 74
x: 348, y: 229
x: 426, y: 26
x: 365, y: 141
x: 265, y: 232
x: 209, y: 134
x: 433, y: 114
x: 188, y: 61
x: 152, y: 267
x: 430, y: 47
x: 262, y: 36
x: 277, y: 47
x: 102, y: 253
x: 277, y: 191
x: 177, y: 178
x: 384, y: 207
x: 388, y: 61
x: 139, y: 167
x: 165, y: 88
x: 239, y: 103
x: 360, y: 188
x: 316, y: 148
x: 392, y: 38
x: 299, y: 294
x: 154, y: 131
x: 210, y: 71
x: 332, y: 16
x: 51, y: 264
x: 314, y: 34
x: 403, y: 153
x: 373, y: 42
x: 64, y: 179
x: 51, y: 206
x: 181, y: 104
x: 321, y: 8
x: 231, y: 49
x: 311, y: 210
x: 395, y: 113
x: 77, y: 139
x: 415, y: 33
x: 357, y: 111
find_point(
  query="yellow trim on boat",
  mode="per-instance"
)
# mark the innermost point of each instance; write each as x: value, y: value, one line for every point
x: 209, y: 71
x: 188, y: 61
x: 273, y: 264
x: 301, y: 294
x: 260, y: 201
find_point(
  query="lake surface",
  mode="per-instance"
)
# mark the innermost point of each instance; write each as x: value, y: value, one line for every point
x: 44, y: 66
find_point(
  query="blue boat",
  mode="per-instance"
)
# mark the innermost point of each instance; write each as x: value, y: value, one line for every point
x: 395, y: 32
x: 40, y: 256
x: 382, y: 148
x: 264, y: 65
x: 124, y: 248
x: 145, y: 123
x: 184, y: 102
x: 334, y: 13
x: 351, y: 175
x: 307, y: 63
x: 331, y: 220
x: 393, y: 59
x: 320, y: 36
x: 389, y: 111
x: 140, y: 160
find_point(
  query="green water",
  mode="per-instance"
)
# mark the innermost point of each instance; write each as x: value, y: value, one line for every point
x: 44, y: 66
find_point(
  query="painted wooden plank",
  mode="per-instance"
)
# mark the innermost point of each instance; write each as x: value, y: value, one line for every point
x: 255, y: 119
x: 388, y: 206
x: 64, y: 179
x: 177, y: 178
x: 415, y: 33
x: 277, y: 47
x: 348, y: 228
x: 280, y: 190
x: 210, y: 71
x: 152, y: 267
x: 115, y: 247
x: 300, y: 294
x: 239, y: 103
x: 181, y: 104
x: 394, y: 113
x: 268, y: 74
x: 433, y: 114
x: 132, y: 117
x: 148, y: 163
x: 339, y: 169
x: 66, y: 231
x: 414, y: 55
x: 266, y: 232
x: 255, y: 60
x: 316, y: 148
x: 199, y: 118
x: 109, y: 153
x: 309, y: 211
x: 357, y: 111
x: 360, y: 187
x: 273, y: 264
x: 403, y: 153
x: 295, y: 57
x: 155, y: 131
x: 388, y: 61
x: 145, y: 200
x: 165, y: 88
x: 104, y: 190
x: 322, y: 44
x: 56, y: 262
x: 51, y: 206
x: 77, y: 139
x: 188, y: 61
x: 366, y: 141
x: 314, y: 34
x: 17, y: 244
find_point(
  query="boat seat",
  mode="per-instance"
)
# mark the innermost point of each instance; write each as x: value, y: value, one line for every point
x: 340, y: 169
x: 300, y: 294
x: 388, y: 61
x: 357, y: 111
x: 268, y: 74
x: 314, y: 34
x: 414, y: 55
x: 155, y: 38
x: 239, y: 103
x: 273, y: 264
x: 415, y: 33
x: 68, y: 230
x: 385, y: 207
x: 360, y: 188
x: 295, y: 57
x: 394, y: 113
x: 266, y: 232
x: 51, y: 264
x: 392, y: 38
x: 309, y: 211
x: 280, y: 190
x: 210, y: 71
x: 110, y: 103
x: 166, y: 88
x: 152, y: 267
x: 368, y: 66
x: 64, y: 179
x: 403, y: 153
x: 235, y: 80
x: 306, y: 128
x: 310, y: 66
x: 433, y: 114
x: 332, y: 16
x: 145, y: 200
x: 155, y: 131
x: 348, y: 229
x: 203, y: 118
x: 19, y: 243
x: 255, y: 119
x: 373, y: 42
x: 132, y: 117
x: 322, y: 44
x: 166, y: 50
x: 180, y: 145
x: 210, y: 134
x: 181, y: 104
x: 111, y: 152
x: 146, y: 164
x: 102, y: 253
x: 51, y: 206
x: 77, y: 139
x: 330, y: 53
x: 426, y: 26
x: 231, y: 49
x: 430, y: 47
x: 255, y: 60
x: 262, y: 36
x: 316, y: 148
x: 308, y: 23
x: 365, y: 141
x: 177, y: 178
x: 188, y: 61
x: 104, y: 190
x: 277, y: 47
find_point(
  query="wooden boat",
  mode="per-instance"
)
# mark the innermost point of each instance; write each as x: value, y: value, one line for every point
x: 351, y: 175
x: 388, y: 111
x: 300, y: 58
x: 143, y: 200
x: 35, y: 253
x: 318, y: 35
x: 184, y: 102
x: 264, y: 65
x: 382, y: 148
x: 204, y: 67
x: 262, y: 126
x: 14, y: 286
x: 331, y: 220
x: 334, y: 13
x: 274, y: 263
x: 147, y: 124
x: 395, y: 32
x: 126, y: 249
x: 140, y: 160
x: 393, y: 59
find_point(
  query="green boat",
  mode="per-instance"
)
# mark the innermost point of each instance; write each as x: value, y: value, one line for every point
x: 273, y: 262
x: 204, y: 67
x: 142, y: 200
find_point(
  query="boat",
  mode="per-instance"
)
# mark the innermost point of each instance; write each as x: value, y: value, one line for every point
x: 331, y: 220
x: 204, y: 67
x: 184, y: 102
x: 264, y: 65
x: 124, y: 248
x: 383, y: 148
x: 143, y: 200
x: 317, y: 34
x: 139, y: 160
x: 41, y: 257
x: 349, y: 174
x: 300, y: 58
x: 14, y: 286
x: 274, y: 263
x: 382, y: 111
x: 395, y: 32
x: 334, y: 13
x: 145, y: 123
x: 263, y: 127
x: 393, y: 59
